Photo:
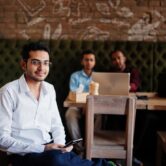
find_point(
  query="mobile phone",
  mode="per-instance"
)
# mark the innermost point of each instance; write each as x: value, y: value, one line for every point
x: 142, y: 97
x: 72, y: 142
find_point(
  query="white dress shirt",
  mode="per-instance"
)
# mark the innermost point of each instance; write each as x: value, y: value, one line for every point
x: 25, y: 123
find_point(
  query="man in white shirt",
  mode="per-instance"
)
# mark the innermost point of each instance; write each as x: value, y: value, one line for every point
x: 29, y: 113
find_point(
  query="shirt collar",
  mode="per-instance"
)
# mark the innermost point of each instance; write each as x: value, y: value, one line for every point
x: 24, y: 87
x: 84, y: 74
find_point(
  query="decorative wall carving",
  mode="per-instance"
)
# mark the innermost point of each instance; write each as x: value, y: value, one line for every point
x: 83, y: 19
x: 150, y: 2
x: 32, y: 8
x: 145, y: 28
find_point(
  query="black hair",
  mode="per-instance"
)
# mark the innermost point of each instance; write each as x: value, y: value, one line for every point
x: 87, y: 52
x: 33, y: 46
x: 118, y: 50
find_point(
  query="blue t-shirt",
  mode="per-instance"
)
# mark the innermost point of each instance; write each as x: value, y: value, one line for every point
x: 80, y: 78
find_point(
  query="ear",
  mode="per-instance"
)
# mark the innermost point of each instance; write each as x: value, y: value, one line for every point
x: 125, y: 59
x: 23, y: 64
x: 95, y: 62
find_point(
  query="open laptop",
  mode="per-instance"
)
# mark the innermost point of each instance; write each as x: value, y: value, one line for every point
x: 112, y: 83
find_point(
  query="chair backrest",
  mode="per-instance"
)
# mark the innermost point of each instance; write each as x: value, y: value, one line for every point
x: 115, y: 105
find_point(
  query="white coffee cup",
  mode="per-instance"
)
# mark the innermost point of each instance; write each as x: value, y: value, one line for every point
x: 94, y: 88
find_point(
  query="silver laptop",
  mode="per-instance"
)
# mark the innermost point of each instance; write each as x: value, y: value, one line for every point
x: 112, y: 83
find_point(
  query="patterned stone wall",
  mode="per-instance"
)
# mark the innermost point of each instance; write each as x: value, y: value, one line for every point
x: 116, y: 20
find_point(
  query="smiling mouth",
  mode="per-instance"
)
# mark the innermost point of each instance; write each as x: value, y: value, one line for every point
x: 40, y: 74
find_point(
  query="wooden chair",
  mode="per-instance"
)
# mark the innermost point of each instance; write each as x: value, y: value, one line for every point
x: 106, y: 143
x: 161, y: 147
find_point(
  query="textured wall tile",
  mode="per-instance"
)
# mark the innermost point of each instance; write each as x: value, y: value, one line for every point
x: 138, y: 20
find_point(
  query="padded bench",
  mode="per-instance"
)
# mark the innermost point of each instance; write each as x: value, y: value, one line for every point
x: 148, y: 57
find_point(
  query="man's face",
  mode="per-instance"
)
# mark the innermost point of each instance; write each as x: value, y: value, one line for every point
x: 118, y: 60
x: 88, y: 61
x: 37, y: 66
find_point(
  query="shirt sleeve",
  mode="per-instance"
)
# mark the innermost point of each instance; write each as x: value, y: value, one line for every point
x: 57, y: 129
x: 73, y: 84
x: 134, y: 80
x: 7, y: 142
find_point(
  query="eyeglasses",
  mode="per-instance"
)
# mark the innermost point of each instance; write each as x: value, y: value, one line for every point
x: 37, y: 62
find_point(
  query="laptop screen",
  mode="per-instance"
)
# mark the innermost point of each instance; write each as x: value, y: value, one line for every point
x: 112, y: 83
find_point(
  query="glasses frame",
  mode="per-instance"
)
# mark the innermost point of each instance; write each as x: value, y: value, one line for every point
x: 37, y: 62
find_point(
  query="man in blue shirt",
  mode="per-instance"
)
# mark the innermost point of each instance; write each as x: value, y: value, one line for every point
x: 79, y: 80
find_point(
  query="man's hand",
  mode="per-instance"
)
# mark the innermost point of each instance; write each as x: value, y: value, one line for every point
x: 54, y: 146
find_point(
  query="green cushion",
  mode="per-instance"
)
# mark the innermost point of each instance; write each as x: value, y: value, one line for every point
x: 148, y: 57
x: 159, y: 61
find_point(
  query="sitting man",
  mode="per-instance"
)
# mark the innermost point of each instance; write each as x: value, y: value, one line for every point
x: 79, y: 79
x: 29, y: 113
x: 119, y: 63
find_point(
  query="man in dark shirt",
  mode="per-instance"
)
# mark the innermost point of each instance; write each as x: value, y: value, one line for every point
x: 119, y: 63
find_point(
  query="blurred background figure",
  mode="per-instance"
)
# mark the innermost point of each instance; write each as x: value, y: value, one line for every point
x: 80, y: 81
x: 120, y: 64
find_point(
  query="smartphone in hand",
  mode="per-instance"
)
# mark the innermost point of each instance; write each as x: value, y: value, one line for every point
x: 72, y: 142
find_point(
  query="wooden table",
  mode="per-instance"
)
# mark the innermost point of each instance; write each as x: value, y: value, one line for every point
x: 152, y: 103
